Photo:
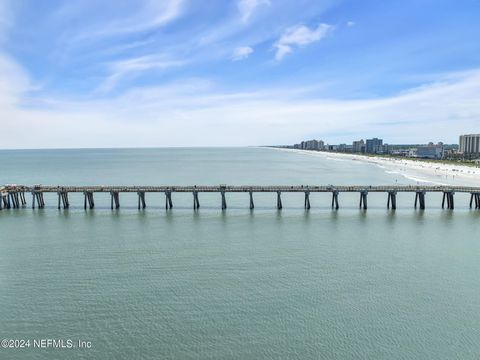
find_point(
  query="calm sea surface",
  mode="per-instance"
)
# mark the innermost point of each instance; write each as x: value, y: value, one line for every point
x: 237, y: 284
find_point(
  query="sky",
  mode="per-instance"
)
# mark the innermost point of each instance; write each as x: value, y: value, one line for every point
x: 157, y: 73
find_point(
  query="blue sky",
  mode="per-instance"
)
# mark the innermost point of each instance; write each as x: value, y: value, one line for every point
x: 244, y: 72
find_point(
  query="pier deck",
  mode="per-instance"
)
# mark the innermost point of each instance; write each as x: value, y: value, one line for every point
x: 13, y: 196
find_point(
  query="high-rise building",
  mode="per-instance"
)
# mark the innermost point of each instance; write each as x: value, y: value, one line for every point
x: 374, y: 146
x: 430, y: 151
x: 358, y: 146
x: 470, y: 145
x: 311, y: 145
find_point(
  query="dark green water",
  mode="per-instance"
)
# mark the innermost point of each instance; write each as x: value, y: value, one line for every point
x: 270, y: 284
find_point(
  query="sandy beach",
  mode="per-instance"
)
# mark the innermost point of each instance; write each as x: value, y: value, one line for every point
x: 419, y: 171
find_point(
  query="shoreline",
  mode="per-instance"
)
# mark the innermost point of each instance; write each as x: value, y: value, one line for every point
x: 434, y: 172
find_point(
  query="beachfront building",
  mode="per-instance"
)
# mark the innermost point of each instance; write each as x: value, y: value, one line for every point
x: 310, y: 145
x: 430, y: 151
x: 374, y: 146
x: 470, y: 146
x: 358, y: 146
x: 344, y: 148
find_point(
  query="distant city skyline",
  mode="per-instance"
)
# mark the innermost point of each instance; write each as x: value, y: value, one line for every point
x: 146, y: 73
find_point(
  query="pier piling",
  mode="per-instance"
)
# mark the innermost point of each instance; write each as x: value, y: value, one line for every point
x: 88, y: 200
x: 141, y: 200
x: 363, y: 199
x: 335, y: 199
x: 168, y: 199
x: 420, y: 197
x: 279, y: 200
x: 449, y: 196
x: 38, y: 198
x: 196, y: 202
x: 224, y: 201
x: 114, y: 200
x: 392, y: 200
x: 14, y: 200
x: 307, y: 200
x: 252, y: 205
x: 63, y: 200
x: 475, y: 197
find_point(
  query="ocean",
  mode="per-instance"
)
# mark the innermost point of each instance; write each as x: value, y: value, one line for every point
x: 234, y: 284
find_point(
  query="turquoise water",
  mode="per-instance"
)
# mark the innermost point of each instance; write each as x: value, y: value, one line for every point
x: 266, y: 284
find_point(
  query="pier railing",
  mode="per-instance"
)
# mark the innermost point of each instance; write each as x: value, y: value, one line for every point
x: 13, y: 196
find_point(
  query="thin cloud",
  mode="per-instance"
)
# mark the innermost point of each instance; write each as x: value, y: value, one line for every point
x: 151, y: 14
x: 299, y: 35
x: 135, y: 66
x: 241, y: 53
x: 247, y: 8
x: 6, y: 19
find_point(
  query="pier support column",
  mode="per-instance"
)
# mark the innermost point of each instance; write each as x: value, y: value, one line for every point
x: 37, y: 197
x: 114, y: 200
x: 420, y: 197
x: 363, y: 199
x: 168, y: 200
x: 476, y: 197
x: 279, y: 200
x: 14, y: 200
x: 196, y: 202
x: 141, y: 200
x: 335, y: 199
x: 63, y: 199
x: 66, y: 203
x: 307, y: 200
x: 224, y: 201
x: 88, y: 199
x: 252, y: 205
x: 449, y: 196
x: 11, y: 201
x: 223, y: 188
x: 3, y: 201
x: 392, y: 200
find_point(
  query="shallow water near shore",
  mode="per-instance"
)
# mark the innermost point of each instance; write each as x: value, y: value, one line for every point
x: 215, y: 284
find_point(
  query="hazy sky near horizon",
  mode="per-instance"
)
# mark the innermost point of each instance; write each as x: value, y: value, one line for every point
x: 148, y: 73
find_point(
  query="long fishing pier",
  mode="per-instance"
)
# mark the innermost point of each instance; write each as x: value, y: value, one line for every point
x: 14, y: 196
